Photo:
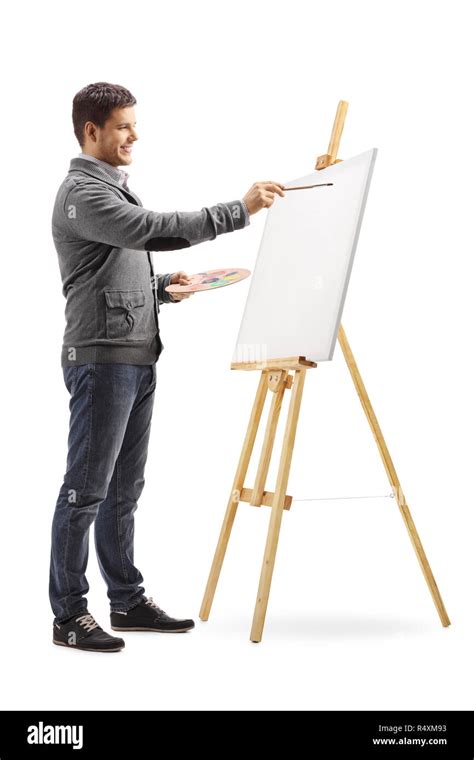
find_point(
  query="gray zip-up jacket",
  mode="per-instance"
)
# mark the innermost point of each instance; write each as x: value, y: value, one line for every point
x: 103, y: 237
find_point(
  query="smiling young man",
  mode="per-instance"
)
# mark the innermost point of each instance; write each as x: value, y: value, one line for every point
x: 104, y: 239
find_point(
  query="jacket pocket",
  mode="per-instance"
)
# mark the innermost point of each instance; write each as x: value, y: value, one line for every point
x: 124, y: 313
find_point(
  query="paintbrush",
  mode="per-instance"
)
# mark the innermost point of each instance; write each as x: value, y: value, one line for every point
x: 306, y: 187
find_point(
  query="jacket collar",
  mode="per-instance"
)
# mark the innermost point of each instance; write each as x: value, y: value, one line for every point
x: 115, y: 171
x: 94, y: 170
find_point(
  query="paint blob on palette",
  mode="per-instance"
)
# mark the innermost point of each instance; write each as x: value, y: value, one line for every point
x: 214, y: 278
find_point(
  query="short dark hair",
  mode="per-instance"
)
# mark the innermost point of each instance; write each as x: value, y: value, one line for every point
x: 95, y: 103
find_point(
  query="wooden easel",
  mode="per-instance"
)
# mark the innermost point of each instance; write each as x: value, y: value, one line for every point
x: 276, y: 376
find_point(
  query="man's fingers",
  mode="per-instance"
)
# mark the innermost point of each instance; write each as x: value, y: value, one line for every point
x: 180, y: 278
x: 269, y: 191
x: 269, y: 199
x: 275, y: 187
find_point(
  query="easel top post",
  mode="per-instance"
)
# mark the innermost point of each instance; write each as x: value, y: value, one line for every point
x: 329, y: 158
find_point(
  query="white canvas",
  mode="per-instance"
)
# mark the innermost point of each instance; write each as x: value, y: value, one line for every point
x: 296, y: 296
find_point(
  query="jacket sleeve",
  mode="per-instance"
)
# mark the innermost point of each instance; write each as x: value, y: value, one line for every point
x: 161, y: 281
x: 96, y: 213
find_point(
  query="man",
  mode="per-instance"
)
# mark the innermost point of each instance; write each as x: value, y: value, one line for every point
x: 104, y: 239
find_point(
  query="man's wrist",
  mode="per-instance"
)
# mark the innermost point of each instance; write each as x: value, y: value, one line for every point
x: 246, y: 212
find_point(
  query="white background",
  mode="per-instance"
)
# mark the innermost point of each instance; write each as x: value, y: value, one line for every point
x: 229, y: 94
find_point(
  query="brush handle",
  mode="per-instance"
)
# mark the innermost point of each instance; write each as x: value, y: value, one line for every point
x: 306, y: 187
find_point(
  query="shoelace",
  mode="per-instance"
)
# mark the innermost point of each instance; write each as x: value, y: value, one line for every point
x: 88, y: 622
x: 153, y: 604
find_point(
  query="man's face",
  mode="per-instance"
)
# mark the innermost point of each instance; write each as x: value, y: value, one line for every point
x: 112, y: 142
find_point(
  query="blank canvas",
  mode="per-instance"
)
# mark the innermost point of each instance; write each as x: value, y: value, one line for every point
x: 297, y: 292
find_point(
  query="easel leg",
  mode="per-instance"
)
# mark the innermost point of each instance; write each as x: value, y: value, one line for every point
x: 392, y: 476
x: 268, y: 441
x: 277, y: 508
x: 234, y: 497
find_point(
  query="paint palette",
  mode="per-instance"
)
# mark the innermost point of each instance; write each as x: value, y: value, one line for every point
x: 214, y: 278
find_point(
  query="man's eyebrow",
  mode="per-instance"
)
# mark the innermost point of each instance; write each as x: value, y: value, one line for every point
x: 125, y: 124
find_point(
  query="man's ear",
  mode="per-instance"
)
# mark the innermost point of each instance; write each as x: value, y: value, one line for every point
x: 90, y: 131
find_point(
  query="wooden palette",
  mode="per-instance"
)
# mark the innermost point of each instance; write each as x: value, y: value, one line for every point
x: 210, y: 280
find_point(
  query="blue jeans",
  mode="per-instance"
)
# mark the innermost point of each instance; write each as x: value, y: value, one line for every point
x: 111, y: 408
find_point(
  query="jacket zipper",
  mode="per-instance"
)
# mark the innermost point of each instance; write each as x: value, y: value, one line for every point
x: 154, y: 289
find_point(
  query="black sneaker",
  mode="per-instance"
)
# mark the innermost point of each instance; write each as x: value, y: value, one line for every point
x: 82, y: 632
x: 147, y: 616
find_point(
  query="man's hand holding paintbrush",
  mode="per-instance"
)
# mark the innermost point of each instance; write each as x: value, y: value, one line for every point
x: 261, y: 195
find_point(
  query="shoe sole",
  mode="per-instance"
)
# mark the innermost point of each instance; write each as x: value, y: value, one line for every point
x: 154, y: 630
x: 86, y: 649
